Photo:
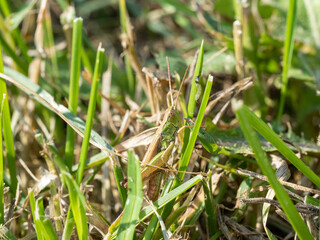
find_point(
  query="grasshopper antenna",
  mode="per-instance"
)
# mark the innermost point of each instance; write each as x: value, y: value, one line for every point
x: 169, y: 75
x: 184, y: 78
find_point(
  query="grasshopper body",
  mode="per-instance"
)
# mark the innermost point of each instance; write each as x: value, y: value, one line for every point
x: 170, y: 128
x: 166, y: 138
x: 163, y: 141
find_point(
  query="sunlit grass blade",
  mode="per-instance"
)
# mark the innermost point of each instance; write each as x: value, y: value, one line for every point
x: 45, y: 222
x: 42, y: 224
x: 134, y: 201
x: 1, y: 163
x: 187, y: 154
x: 35, y: 219
x: 93, y: 161
x: 91, y: 112
x: 10, y: 52
x: 7, y: 132
x: 15, y: 20
x: 246, y: 125
x: 210, y: 209
x: 192, y: 96
x: 118, y: 175
x: 194, y: 85
x: 275, y: 140
x: 288, y: 50
x: 74, y: 87
x: 77, y: 204
x: 250, y: 49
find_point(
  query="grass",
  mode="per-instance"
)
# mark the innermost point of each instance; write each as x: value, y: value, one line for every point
x: 77, y: 178
x: 74, y: 87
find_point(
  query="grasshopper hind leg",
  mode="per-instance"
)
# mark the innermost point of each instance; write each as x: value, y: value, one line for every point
x: 154, y: 186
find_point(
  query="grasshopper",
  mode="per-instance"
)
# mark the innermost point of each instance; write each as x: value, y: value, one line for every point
x: 164, y: 139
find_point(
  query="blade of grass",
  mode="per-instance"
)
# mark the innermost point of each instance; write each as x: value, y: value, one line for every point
x: 273, y: 138
x: 194, y: 86
x: 250, y: 49
x: 7, y: 132
x: 288, y: 50
x: 91, y: 111
x: 73, y: 87
x: 11, y: 53
x: 33, y: 211
x: 192, y: 96
x: 49, y: 42
x: 210, y: 209
x: 14, y: 20
x: 187, y: 154
x: 128, y: 64
x: 246, y: 125
x: 43, y: 226
x: 1, y: 164
x: 77, y: 204
x: 134, y: 201
x: 46, y: 225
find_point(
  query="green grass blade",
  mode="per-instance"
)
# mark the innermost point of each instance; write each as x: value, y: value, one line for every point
x: 35, y: 219
x: 77, y: 204
x: 5, y: 8
x: 246, y: 125
x: 192, y: 96
x: 134, y: 201
x: 124, y: 28
x: 194, y: 86
x: 187, y: 154
x: 46, y: 226
x: 91, y: 112
x: 118, y: 175
x: 14, y: 20
x: 210, y: 209
x: 288, y: 50
x: 10, y: 52
x: 93, y: 161
x: 74, y: 87
x: 7, y: 132
x: 1, y: 164
x: 68, y: 228
x: 273, y: 138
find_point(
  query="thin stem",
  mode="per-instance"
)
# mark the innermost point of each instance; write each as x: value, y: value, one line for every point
x: 90, y: 115
x: 74, y: 87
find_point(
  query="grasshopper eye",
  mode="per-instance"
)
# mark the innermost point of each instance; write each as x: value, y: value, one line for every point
x: 172, y: 114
